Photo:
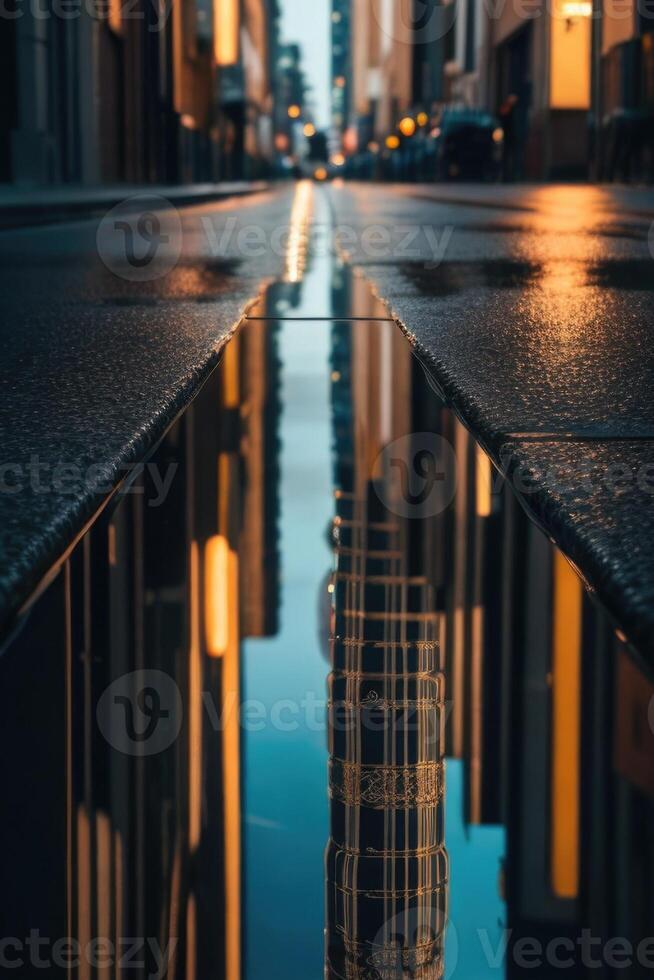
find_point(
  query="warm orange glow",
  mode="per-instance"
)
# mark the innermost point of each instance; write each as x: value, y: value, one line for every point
x: 102, y: 847
x: 350, y: 139
x: 407, y: 126
x: 191, y: 938
x: 226, y: 29
x: 570, y: 64
x: 231, y: 377
x: 217, y: 594
x: 320, y: 173
x: 188, y: 121
x: 338, y: 159
x: 484, y: 484
x: 422, y: 118
x: 281, y: 142
x: 309, y: 130
x: 373, y: 147
x: 392, y: 142
x: 576, y: 8
x: 498, y: 135
x: 294, y: 112
x: 116, y: 16
x: 232, y: 784
x: 566, y: 728
x: 298, y: 238
x: 339, y: 81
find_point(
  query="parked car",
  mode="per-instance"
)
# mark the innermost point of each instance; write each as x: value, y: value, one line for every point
x: 468, y: 145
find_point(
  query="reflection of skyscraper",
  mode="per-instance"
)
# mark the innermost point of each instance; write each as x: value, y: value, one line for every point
x: 341, y: 67
x: 386, y: 867
x: 258, y: 542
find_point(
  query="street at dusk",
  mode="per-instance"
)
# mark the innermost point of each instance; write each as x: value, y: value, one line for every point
x: 327, y: 490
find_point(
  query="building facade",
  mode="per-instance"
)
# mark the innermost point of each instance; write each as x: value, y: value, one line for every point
x: 572, y: 81
x: 136, y: 92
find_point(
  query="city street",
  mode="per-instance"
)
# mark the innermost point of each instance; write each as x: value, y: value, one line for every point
x: 327, y: 489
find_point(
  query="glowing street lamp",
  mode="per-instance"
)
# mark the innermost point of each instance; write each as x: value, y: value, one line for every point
x: 407, y: 126
x: 422, y: 118
x: 294, y: 112
x: 392, y: 142
x: 309, y: 130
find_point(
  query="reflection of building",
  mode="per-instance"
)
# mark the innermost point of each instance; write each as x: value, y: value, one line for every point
x: 290, y: 98
x: 136, y: 92
x: 386, y: 867
x: 127, y: 759
x: 550, y: 718
x: 341, y: 69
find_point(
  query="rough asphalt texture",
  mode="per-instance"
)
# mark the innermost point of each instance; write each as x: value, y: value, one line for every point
x: 95, y: 367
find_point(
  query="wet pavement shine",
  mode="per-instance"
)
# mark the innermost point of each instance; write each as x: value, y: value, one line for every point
x: 336, y: 706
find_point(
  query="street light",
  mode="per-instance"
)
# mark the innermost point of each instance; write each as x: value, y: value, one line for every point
x: 392, y: 142
x: 422, y: 118
x: 338, y: 160
x: 407, y: 126
x: 294, y: 111
x: 309, y: 130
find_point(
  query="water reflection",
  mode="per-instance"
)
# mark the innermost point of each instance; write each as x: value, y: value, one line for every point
x: 386, y: 865
x: 464, y: 653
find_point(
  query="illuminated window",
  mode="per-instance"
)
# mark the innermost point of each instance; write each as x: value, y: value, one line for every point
x: 226, y: 22
x: 570, y: 54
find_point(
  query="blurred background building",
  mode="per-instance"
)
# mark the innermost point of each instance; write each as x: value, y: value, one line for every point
x: 569, y: 82
x: 108, y: 91
x: 139, y: 92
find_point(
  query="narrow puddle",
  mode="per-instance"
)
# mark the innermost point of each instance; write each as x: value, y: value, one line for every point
x: 330, y: 705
